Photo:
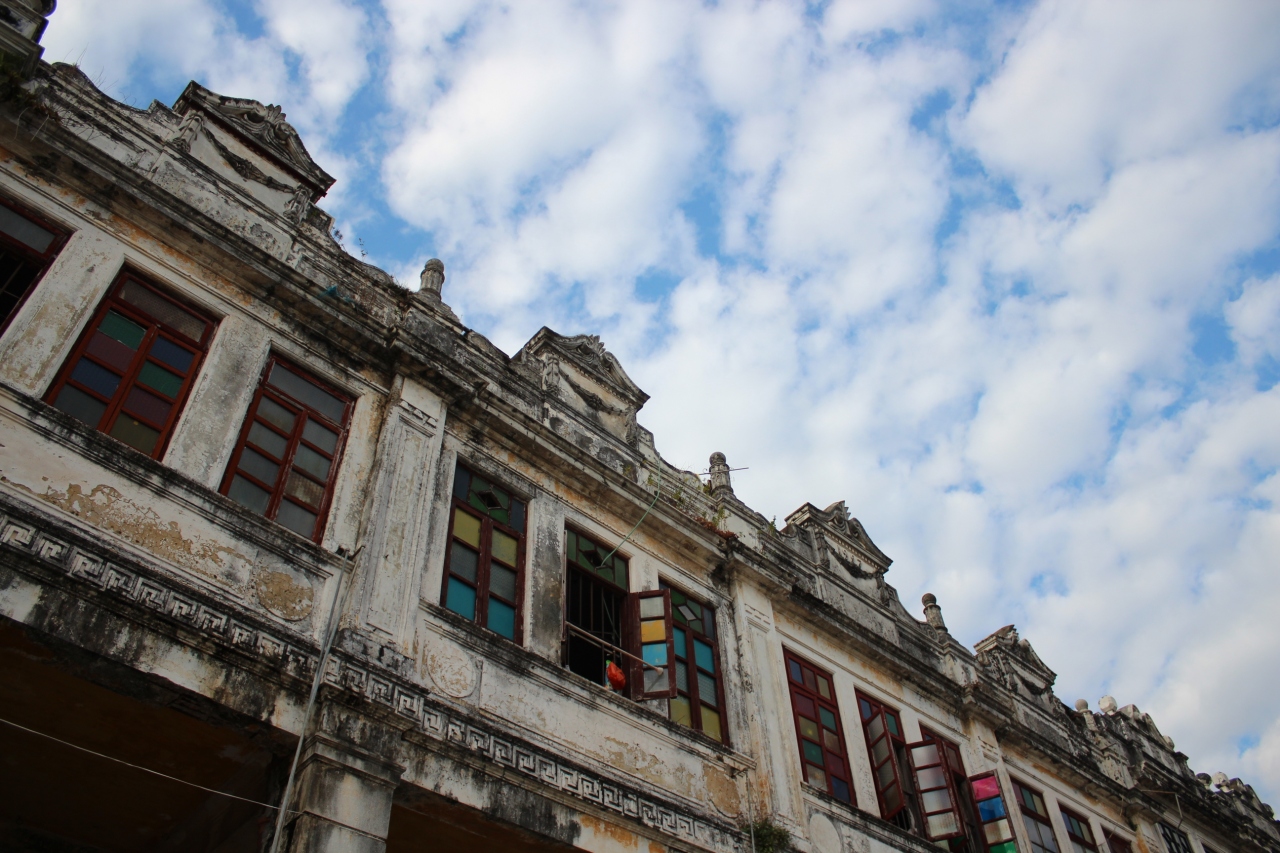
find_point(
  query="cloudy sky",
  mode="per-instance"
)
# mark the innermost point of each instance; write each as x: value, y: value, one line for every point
x: 1003, y: 276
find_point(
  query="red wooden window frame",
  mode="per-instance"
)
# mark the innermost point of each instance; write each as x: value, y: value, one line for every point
x: 881, y: 724
x: 291, y: 448
x: 124, y: 356
x: 993, y: 814
x: 1033, y: 807
x: 1117, y: 844
x: 649, y: 639
x: 489, y: 517
x: 936, y: 792
x: 1080, y: 843
x: 823, y: 754
x: 692, y: 688
x: 29, y: 263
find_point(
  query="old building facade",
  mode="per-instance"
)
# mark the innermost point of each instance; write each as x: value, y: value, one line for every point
x: 275, y: 529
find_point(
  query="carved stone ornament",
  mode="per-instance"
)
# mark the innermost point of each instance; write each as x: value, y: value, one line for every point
x: 451, y: 668
x: 262, y: 126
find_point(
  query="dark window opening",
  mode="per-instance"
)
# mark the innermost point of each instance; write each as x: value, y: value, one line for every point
x: 484, y: 569
x: 131, y: 371
x: 28, y: 246
x: 285, y: 463
x: 1116, y: 844
x: 597, y: 591
x: 1079, y: 833
x: 1175, y: 839
x: 887, y: 747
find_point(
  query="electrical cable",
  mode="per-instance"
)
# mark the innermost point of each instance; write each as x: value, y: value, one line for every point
x: 638, y: 523
x: 137, y: 767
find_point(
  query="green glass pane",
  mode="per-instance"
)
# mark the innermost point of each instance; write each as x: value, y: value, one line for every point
x: 893, y: 723
x: 812, y: 752
x: 157, y: 378
x: 828, y: 718
x: 1006, y: 847
x: 122, y: 329
x: 682, y: 650
x: 461, y: 599
x: 502, y: 618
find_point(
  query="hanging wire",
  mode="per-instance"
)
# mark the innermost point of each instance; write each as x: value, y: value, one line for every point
x: 138, y: 767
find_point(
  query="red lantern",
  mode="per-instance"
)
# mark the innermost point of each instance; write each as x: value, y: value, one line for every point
x: 617, y: 678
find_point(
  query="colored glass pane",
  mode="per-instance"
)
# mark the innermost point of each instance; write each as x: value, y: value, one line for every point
x: 828, y: 718
x: 808, y: 728
x: 815, y: 776
x: 991, y: 809
x: 95, y: 377
x: 171, y: 354
x: 463, y: 561
x: 824, y: 687
x: 168, y: 313
x: 502, y: 618
x: 504, y: 547
x: 680, y: 711
x: 502, y: 582
x: 654, y: 654
x: 707, y: 689
x: 986, y: 787
x: 653, y: 630
x: 157, y: 378
x: 804, y: 705
x: 467, y: 528
x: 793, y: 670
x: 80, y: 405
x: 297, y: 519
x: 135, y: 434
x: 997, y: 830
x: 148, y: 406
x: 111, y: 351
x: 840, y: 789
x: 122, y: 329
x: 682, y: 676
x: 711, y: 723
x: 461, y: 599
x: 706, y: 659
x: 307, y: 393
x: 812, y: 751
x: 831, y: 740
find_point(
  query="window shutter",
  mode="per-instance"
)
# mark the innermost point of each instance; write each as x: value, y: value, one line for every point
x: 938, y: 802
x: 997, y: 830
x: 884, y: 765
x: 650, y: 639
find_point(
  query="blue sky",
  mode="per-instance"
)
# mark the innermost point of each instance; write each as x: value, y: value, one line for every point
x: 1003, y: 276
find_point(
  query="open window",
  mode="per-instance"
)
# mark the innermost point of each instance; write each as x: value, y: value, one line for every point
x: 28, y: 245
x: 605, y: 623
x: 883, y: 731
x: 939, y: 803
x: 132, y: 369
x: 1175, y: 839
x: 993, y: 815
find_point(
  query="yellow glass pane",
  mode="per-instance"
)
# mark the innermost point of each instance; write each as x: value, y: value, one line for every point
x: 467, y: 528
x: 680, y: 712
x: 653, y: 631
x: 504, y: 548
x: 711, y: 723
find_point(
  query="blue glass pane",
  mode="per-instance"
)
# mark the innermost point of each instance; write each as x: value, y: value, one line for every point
x: 517, y: 514
x: 706, y: 660
x: 992, y: 809
x: 462, y: 483
x: 682, y: 650
x: 654, y: 654
x: 840, y: 789
x: 502, y: 618
x: 461, y: 599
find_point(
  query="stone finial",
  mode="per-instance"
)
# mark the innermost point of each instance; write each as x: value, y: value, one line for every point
x: 932, y: 612
x: 1082, y: 705
x: 1107, y: 705
x: 432, y: 279
x: 720, y: 481
x: 1220, y: 779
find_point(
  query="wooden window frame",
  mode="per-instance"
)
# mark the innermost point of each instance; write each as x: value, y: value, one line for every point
x: 155, y: 329
x: 484, y: 567
x: 644, y: 676
x: 1116, y: 843
x: 999, y: 813
x: 295, y: 439
x: 694, y: 692
x: 1032, y: 814
x: 41, y: 260
x: 869, y: 710
x: 955, y: 779
x: 801, y: 690
x: 1087, y: 844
